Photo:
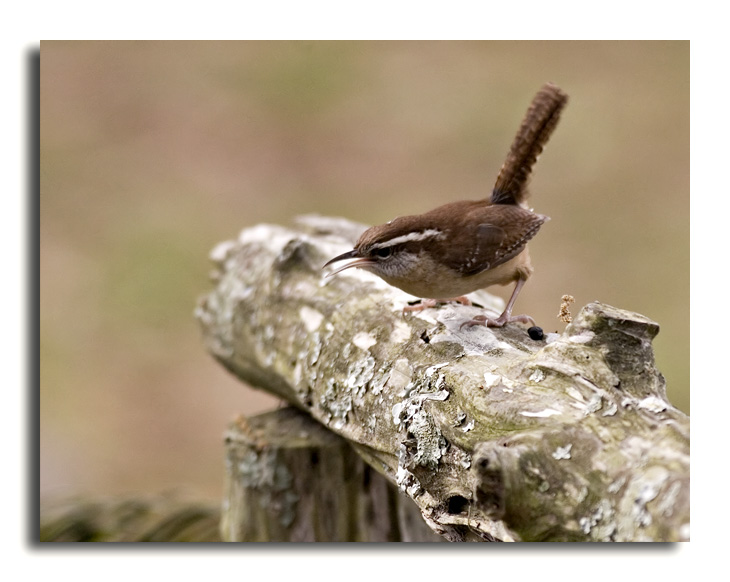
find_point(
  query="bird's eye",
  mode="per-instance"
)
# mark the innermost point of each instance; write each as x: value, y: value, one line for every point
x: 382, y: 253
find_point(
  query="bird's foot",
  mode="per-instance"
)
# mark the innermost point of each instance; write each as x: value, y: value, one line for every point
x: 501, y: 321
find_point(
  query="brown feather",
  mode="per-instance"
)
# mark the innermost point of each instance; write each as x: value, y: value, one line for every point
x: 488, y: 236
x: 538, y: 125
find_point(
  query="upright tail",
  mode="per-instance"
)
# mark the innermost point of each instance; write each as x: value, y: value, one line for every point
x: 538, y: 125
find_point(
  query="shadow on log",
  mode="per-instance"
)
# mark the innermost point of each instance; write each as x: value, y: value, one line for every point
x: 493, y: 435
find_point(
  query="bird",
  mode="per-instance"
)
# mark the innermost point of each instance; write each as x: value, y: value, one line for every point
x: 460, y: 247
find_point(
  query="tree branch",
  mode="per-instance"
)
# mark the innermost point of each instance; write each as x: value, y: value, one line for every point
x: 491, y: 433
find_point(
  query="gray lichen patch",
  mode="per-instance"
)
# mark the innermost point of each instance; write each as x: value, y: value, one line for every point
x: 600, y: 524
x: 537, y: 376
x: 400, y: 375
x: 421, y: 441
x: 311, y: 318
x: 336, y: 404
x: 563, y: 452
x: 264, y: 472
x: 359, y: 375
x: 653, y: 404
x: 430, y: 444
x: 364, y: 340
x: 404, y: 410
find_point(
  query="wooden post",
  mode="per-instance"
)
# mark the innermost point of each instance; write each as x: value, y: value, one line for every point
x: 288, y: 479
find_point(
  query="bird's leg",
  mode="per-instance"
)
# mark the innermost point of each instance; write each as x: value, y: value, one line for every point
x: 428, y: 303
x: 506, y: 316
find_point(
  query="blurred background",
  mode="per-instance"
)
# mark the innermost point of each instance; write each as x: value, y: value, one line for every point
x: 152, y: 152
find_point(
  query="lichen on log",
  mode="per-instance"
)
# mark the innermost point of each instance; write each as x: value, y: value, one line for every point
x: 492, y: 434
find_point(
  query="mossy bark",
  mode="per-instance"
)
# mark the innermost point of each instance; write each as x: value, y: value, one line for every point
x: 492, y: 434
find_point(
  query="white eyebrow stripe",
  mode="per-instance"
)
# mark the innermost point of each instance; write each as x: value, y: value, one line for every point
x: 410, y: 237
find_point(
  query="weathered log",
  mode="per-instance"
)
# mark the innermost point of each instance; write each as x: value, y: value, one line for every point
x: 150, y: 518
x: 288, y: 479
x: 492, y: 434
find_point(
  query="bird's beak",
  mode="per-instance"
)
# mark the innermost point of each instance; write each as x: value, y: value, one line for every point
x: 358, y: 262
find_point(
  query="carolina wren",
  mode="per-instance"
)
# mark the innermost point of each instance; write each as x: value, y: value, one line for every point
x: 463, y: 246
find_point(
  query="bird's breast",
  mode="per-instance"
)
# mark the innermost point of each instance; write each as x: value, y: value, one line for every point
x: 432, y: 281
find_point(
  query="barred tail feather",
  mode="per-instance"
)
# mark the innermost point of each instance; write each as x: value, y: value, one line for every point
x: 538, y: 125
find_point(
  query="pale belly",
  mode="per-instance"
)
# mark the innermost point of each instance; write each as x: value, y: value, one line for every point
x: 442, y: 286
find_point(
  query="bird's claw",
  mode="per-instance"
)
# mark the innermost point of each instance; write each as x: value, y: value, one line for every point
x: 501, y: 321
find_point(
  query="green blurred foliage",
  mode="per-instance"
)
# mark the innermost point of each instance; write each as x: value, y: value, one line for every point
x: 152, y: 152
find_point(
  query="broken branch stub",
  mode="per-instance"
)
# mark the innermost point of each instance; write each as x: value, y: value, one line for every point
x: 289, y: 479
x: 492, y: 434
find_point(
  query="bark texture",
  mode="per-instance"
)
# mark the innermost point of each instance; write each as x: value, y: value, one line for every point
x: 492, y: 434
x: 288, y: 479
